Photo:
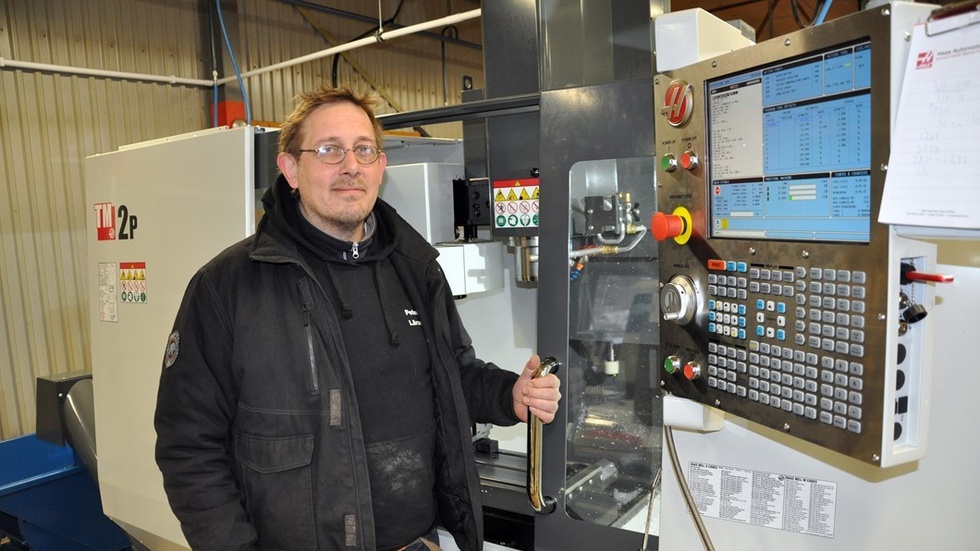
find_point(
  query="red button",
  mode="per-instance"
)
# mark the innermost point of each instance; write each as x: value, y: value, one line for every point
x: 666, y: 225
x: 689, y: 160
x: 692, y: 370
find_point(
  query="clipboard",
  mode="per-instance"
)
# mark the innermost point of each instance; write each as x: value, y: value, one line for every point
x: 933, y: 176
x: 945, y: 19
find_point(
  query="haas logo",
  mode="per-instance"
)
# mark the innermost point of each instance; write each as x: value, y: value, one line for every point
x: 678, y: 103
x: 924, y: 60
x: 105, y: 222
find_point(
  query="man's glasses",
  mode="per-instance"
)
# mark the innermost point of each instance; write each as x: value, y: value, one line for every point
x: 333, y: 154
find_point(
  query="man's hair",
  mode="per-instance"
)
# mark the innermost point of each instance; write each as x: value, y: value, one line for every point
x: 291, y: 133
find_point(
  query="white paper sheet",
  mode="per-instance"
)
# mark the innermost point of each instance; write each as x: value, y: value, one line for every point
x: 933, y: 176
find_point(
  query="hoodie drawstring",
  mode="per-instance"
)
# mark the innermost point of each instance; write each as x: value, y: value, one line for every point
x: 347, y: 313
x: 392, y: 335
x: 345, y: 310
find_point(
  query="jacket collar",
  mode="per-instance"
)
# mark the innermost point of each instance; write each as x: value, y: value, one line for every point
x: 277, y: 237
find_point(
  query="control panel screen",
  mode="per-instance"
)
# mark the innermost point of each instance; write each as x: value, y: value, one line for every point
x: 789, y: 147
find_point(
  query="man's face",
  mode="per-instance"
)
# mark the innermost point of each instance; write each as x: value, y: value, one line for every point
x: 335, y: 198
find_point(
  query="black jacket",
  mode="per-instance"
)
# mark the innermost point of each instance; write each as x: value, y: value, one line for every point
x: 258, y: 435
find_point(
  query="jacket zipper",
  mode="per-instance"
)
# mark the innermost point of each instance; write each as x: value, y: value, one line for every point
x: 309, y: 348
x: 353, y: 250
x: 307, y: 306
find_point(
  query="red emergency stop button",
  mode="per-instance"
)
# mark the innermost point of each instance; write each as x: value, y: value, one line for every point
x: 676, y: 224
x: 666, y: 225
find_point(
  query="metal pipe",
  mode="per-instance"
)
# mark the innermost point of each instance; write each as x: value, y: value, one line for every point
x: 380, y: 37
x: 170, y: 79
x: 370, y: 19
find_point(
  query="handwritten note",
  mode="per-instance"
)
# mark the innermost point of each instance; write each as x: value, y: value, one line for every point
x: 933, y: 176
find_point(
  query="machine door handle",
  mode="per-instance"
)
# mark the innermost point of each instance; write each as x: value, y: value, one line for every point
x: 539, y: 503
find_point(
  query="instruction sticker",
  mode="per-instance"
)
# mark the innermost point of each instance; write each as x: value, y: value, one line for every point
x: 108, y: 282
x: 790, y: 503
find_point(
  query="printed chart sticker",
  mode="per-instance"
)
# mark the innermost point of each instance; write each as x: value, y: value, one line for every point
x: 773, y: 500
x: 108, y: 282
x: 515, y: 203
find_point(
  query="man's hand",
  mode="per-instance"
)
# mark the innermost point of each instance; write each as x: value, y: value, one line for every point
x: 541, y: 395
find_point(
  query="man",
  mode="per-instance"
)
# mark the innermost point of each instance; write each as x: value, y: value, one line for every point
x: 318, y: 387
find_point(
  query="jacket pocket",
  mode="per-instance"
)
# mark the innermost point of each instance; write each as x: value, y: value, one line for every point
x: 277, y: 481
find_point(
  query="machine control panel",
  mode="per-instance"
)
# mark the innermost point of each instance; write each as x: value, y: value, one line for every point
x: 782, y: 295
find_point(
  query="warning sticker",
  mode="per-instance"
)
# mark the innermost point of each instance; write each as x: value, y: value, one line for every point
x: 132, y: 282
x: 791, y: 503
x: 515, y: 203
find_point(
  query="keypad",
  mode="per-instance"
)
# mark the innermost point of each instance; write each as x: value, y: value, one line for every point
x: 797, y: 339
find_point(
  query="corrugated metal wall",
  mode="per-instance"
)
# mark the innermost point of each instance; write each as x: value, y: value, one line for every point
x: 50, y: 121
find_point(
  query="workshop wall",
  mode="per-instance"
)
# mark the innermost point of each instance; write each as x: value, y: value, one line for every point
x: 52, y: 118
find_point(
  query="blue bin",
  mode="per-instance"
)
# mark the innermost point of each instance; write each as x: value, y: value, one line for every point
x: 48, y: 501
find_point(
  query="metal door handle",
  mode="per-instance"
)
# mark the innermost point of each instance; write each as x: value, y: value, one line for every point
x: 539, y: 503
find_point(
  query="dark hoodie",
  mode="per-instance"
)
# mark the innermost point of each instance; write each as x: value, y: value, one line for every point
x: 275, y: 409
x: 389, y: 363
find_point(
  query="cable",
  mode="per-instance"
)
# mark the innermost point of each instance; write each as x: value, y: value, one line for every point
x: 686, y: 491
x: 454, y: 31
x: 823, y: 12
x: 653, y: 492
x: 374, y: 30
x: 231, y: 54
x: 821, y: 7
x: 214, y: 70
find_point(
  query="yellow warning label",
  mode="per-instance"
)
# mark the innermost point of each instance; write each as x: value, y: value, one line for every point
x: 499, y: 196
x: 535, y: 194
x: 511, y: 196
x: 524, y: 195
